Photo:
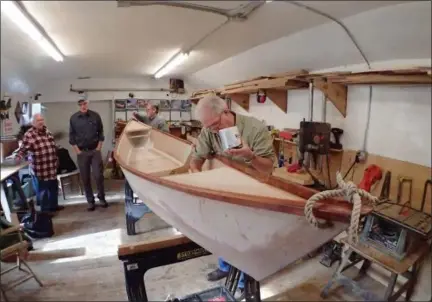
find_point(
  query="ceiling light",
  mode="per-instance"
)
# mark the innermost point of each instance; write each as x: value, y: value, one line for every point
x: 174, y: 62
x: 11, y: 9
x: 268, y: 1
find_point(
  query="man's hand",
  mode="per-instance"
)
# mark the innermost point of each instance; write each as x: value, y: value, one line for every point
x: 134, y: 116
x: 245, y: 151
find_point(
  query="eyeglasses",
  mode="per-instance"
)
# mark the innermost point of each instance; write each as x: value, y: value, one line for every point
x: 215, y: 124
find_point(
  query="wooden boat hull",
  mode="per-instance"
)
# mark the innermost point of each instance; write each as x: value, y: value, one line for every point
x: 257, y: 241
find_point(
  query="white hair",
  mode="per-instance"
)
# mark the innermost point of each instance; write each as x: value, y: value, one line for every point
x: 34, y: 116
x: 210, y: 104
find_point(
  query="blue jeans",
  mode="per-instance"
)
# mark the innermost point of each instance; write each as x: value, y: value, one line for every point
x: 224, y: 266
x: 46, y: 193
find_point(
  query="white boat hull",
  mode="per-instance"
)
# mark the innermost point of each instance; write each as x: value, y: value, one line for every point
x: 258, y: 242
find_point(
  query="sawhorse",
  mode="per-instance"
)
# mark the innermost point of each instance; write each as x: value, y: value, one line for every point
x: 369, y: 255
x: 140, y: 257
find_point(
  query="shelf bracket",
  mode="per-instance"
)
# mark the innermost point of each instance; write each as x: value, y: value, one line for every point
x: 241, y: 99
x: 336, y: 93
x: 279, y: 98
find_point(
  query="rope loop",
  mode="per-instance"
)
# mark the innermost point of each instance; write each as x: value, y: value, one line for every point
x: 350, y: 192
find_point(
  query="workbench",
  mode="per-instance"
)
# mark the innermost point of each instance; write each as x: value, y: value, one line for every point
x: 369, y: 255
x: 11, y: 172
x: 140, y: 257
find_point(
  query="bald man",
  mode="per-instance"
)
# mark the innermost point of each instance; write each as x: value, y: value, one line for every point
x: 39, y: 143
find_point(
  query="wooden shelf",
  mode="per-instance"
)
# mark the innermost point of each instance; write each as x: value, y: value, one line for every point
x: 332, y: 84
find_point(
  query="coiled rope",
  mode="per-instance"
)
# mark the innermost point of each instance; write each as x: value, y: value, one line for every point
x: 352, y: 194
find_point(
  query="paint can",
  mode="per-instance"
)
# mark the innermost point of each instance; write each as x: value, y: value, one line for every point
x: 230, y: 138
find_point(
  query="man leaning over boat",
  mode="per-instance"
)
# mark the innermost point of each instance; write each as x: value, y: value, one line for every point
x: 256, y: 149
x: 152, y: 118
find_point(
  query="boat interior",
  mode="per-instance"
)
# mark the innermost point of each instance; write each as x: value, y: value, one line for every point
x: 155, y: 153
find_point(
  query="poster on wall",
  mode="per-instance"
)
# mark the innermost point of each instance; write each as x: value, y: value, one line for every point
x: 7, y: 127
x: 120, y: 105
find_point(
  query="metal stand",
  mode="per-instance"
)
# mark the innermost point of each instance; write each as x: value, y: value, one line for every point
x: 137, y: 264
x: 134, y: 211
x: 369, y: 255
x: 251, y: 286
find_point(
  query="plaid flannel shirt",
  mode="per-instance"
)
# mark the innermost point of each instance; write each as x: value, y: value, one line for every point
x: 41, y: 145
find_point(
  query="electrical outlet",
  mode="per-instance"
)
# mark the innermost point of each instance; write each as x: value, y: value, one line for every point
x: 362, y: 155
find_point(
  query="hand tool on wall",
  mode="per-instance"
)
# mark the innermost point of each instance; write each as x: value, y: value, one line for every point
x: 402, y: 180
x: 337, y: 132
x: 385, y: 189
x: 428, y: 183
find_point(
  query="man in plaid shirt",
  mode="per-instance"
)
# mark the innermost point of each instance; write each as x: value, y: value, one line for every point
x: 39, y: 142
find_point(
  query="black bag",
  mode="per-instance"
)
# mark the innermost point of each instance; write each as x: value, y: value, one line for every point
x: 38, y: 225
x: 66, y: 164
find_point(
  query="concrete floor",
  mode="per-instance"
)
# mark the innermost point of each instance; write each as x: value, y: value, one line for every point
x: 79, y: 263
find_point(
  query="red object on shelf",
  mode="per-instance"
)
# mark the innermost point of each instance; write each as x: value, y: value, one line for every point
x: 293, y: 168
x: 285, y: 135
x: 371, y: 175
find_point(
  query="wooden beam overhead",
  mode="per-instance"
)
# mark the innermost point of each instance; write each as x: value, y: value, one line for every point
x: 336, y: 93
x: 241, y: 99
x: 279, y: 98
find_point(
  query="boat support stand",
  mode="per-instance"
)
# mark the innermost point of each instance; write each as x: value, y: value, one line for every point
x: 140, y: 257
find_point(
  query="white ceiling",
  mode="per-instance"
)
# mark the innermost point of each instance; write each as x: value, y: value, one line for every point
x: 100, y: 39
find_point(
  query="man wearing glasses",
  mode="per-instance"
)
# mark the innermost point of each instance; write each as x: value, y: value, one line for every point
x: 86, y: 136
x: 256, y: 151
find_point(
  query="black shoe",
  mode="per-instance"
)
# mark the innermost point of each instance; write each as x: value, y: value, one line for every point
x: 91, y: 207
x: 59, y: 208
x: 103, y: 203
x: 216, y: 275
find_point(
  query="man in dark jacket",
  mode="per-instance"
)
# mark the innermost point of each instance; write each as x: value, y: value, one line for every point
x: 86, y: 136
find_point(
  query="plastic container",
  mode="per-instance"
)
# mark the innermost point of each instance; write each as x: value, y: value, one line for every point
x: 217, y: 294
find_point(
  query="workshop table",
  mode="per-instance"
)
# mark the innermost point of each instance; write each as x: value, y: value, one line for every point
x: 11, y: 172
x: 369, y: 255
x: 140, y: 257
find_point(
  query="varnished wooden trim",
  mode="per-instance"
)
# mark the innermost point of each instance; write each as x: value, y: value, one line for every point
x: 151, y: 245
x: 328, y: 209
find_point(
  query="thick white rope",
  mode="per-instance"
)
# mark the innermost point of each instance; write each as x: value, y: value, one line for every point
x: 352, y: 194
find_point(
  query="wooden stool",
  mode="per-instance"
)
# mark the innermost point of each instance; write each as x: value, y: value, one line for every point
x: 62, y: 177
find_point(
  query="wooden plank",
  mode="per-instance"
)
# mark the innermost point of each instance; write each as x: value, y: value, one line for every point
x: 279, y: 98
x: 336, y: 93
x: 150, y: 245
x: 241, y: 99
x: 384, y: 79
x: 289, y: 73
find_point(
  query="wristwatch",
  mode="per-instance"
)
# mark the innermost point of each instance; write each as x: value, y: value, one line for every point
x: 249, y: 161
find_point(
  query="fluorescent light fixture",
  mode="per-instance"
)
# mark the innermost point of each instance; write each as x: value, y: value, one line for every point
x: 174, y: 62
x: 268, y: 1
x: 11, y: 9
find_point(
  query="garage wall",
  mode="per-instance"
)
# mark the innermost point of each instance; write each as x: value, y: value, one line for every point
x: 16, y: 97
x: 391, y: 37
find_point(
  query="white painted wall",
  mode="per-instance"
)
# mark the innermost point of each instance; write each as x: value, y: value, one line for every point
x: 391, y: 37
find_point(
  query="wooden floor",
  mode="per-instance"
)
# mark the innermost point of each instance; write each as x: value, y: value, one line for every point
x: 80, y: 262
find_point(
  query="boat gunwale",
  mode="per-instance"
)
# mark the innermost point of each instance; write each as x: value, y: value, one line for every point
x: 332, y: 209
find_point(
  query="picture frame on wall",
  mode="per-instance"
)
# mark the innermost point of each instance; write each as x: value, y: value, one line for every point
x: 176, y: 105
x: 142, y: 104
x: 120, y: 105
x: 132, y: 103
x: 164, y: 105
x: 186, y: 105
